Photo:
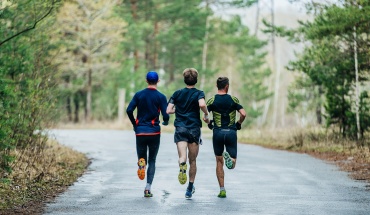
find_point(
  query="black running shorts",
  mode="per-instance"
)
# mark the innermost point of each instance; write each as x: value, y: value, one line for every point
x: 189, y: 135
x: 227, y: 138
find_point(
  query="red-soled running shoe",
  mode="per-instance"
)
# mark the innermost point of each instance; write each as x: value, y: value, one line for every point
x: 141, y: 168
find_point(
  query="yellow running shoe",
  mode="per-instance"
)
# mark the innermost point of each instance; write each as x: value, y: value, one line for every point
x: 141, y: 169
x: 182, y: 174
x: 222, y: 194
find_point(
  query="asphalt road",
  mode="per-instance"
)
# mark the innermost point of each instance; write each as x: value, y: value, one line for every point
x: 264, y: 181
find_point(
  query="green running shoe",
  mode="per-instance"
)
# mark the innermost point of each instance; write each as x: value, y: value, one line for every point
x: 228, y: 160
x: 182, y: 174
x: 147, y: 193
x: 222, y: 194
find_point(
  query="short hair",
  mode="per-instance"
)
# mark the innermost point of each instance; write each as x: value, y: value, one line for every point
x: 190, y: 76
x: 222, y: 82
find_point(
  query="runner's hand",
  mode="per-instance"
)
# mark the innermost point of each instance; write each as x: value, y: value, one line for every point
x: 238, y: 126
x: 134, y: 126
x: 206, y: 119
x: 165, y: 123
x: 210, y: 124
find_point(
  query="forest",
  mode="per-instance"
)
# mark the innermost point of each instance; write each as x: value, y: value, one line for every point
x: 71, y: 61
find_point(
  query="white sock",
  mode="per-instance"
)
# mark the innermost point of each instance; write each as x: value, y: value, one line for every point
x: 148, y: 186
x: 222, y: 188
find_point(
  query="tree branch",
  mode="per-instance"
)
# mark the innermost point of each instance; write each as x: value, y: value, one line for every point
x: 29, y: 28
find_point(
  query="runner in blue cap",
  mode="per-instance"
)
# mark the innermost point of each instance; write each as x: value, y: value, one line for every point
x: 149, y: 103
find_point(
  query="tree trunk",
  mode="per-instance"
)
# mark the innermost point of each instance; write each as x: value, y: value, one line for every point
x: 69, y: 109
x: 277, y: 70
x: 204, y: 52
x: 88, y: 95
x: 257, y: 18
x: 121, y: 104
x: 136, y: 57
x: 147, y: 54
x: 357, y: 85
x: 171, y: 66
x: 343, y: 112
x: 155, y: 51
x: 135, y: 17
x: 134, y: 8
x: 76, y: 101
x: 68, y: 101
x: 318, y: 114
x: 318, y: 107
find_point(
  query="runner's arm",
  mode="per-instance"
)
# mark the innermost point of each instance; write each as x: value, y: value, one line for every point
x: 170, y: 108
x: 163, y: 107
x: 203, y: 107
x: 130, y: 111
x: 243, y: 114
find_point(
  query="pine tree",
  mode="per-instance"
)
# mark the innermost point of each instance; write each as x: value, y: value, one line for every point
x: 333, y: 57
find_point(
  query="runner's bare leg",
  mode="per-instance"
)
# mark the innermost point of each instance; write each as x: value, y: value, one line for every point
x: 182, y: 151
x: 193, y: 153
x: 220, y: 170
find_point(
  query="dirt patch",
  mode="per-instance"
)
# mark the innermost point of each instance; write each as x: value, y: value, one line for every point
x: 357, y: 165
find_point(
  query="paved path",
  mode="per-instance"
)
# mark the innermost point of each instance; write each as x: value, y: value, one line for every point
x: 264, y: 181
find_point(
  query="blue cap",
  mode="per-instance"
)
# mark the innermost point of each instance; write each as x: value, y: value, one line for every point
x: 152, y: 76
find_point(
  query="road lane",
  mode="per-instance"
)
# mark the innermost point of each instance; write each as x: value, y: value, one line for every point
x: 264, y: 182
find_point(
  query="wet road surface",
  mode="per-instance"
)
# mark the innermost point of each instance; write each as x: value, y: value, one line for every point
x: 264, y: 181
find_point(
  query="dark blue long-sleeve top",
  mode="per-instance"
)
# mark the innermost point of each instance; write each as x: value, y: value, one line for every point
x: 149, y: 103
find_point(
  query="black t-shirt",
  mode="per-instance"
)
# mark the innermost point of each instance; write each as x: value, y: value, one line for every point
x: 224, y: 109
x: 187, y: 107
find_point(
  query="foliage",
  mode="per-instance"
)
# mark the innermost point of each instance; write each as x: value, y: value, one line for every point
x: 75, y: 55
x: 167, y: 37
x: 164, y: 36
x: 232, y: 43
x: 87, y: 41
x: 328, y: 60
x: 26, y: 81
x: 304, y: 96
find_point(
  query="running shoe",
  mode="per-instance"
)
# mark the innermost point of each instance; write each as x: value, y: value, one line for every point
x: 222, y: 194
x: 147, y: 193
x: 141, y: 168
x: 182, y: 174
x: 189, y: 193
x: 228, y: 160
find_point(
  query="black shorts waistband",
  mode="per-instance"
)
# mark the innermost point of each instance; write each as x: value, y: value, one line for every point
x: 224, y: 129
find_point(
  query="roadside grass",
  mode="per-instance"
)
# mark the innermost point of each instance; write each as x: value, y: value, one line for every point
x: 301, y: 140
x: 35, y: 180
x: 108, y: 125
x: 349, y: 155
